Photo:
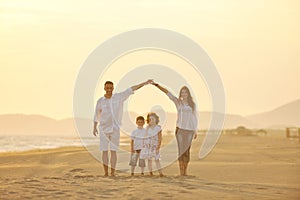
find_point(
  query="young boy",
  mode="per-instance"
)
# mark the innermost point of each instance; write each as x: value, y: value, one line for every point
x: 137, y: 142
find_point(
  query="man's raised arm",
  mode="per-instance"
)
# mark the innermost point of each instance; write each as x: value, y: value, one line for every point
x: 136, y: 87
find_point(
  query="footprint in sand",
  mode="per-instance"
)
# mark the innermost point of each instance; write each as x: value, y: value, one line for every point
x: 76, y: 170
x: 84, y: 176
x: 54, y: 178
x: 31, y: 180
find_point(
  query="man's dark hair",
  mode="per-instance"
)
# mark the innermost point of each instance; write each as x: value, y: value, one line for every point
x: 140, y: 118
x: 108, y: 82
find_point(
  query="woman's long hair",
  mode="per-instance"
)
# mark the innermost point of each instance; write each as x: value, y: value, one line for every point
x: 189, y: 98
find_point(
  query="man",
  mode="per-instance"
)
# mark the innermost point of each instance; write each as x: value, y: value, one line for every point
x: 108, y: 114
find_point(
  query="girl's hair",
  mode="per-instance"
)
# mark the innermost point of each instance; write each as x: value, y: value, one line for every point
x: 189, y: 98
x: 153, y: 115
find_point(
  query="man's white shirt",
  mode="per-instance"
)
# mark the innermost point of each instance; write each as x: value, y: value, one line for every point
x: 108, y: 112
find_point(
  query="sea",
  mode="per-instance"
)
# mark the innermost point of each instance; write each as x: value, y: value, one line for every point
x: 18, y: 143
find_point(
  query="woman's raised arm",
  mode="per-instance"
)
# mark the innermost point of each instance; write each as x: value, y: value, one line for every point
x: 160, y: 87
x: 171, y: 96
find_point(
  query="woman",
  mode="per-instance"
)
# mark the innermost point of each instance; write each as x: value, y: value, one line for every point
x: 186, y: 125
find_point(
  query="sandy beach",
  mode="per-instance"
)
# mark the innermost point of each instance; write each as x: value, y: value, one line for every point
x: 240, y: 167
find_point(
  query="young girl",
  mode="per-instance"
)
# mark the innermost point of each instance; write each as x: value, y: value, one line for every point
x: 152, y: 143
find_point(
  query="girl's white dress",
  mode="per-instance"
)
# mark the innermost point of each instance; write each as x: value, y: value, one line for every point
x: 151, y: 143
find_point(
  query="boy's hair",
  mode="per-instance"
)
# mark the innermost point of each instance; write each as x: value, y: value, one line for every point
x: 108, y: 83
x: 140, y: 118
x: 154, y: 115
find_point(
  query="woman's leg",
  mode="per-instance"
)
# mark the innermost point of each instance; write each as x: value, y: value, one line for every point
x: 179, y: 140
x: 181, y: 169
x: 186, y: 160
x: 184, y: 141
x: 188, y: 137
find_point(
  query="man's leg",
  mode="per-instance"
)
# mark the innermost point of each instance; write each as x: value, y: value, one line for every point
x: 105, y: 162
x: 104, y: 149
x: 114, y: 147
x: 113, y: 161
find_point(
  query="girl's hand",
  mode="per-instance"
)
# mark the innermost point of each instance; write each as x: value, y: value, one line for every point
x: 157, y: 150
x: 195, y: 135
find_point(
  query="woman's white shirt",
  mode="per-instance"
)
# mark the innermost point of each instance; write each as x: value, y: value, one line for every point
x: 186, y: 117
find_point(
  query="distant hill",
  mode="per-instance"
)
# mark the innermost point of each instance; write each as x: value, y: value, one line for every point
x: 168, y: 120
x: 231, y: 121
x: 15, y: 124
x: 283, y: 116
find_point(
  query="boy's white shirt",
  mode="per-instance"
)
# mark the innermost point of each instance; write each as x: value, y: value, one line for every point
x: 138, y: 136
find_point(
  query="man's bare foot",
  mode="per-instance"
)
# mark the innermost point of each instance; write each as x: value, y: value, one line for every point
x: 112, y: 173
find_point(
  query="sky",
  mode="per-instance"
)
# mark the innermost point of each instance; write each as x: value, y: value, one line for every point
x: 254, y: 45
